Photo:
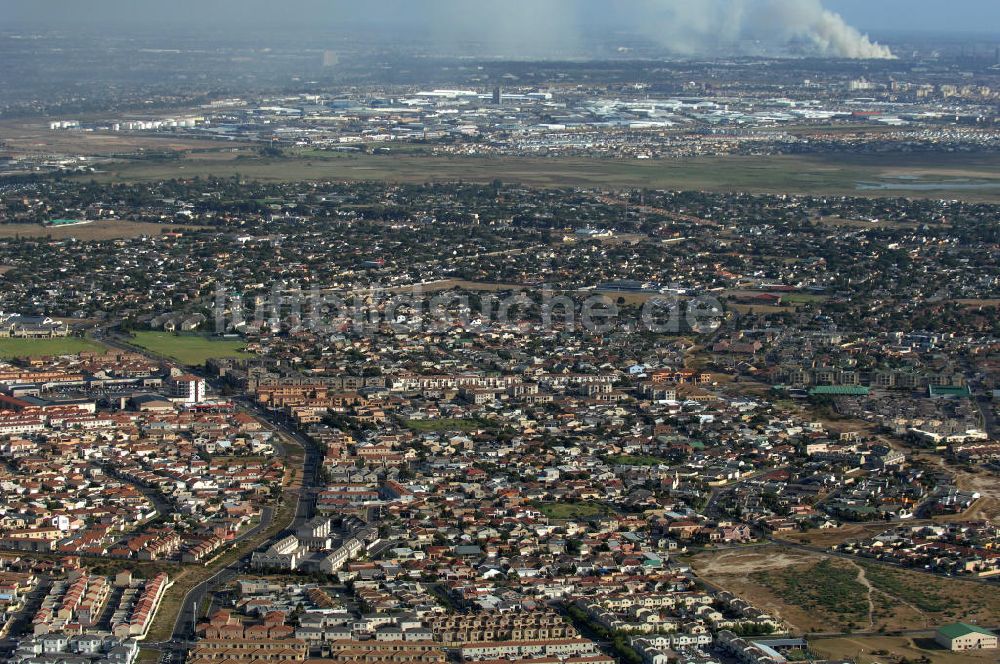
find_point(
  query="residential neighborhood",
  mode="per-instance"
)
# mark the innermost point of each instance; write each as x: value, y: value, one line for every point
x: 471, y: 332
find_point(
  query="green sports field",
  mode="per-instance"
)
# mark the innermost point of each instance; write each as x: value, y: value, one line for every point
x: 193, y: 349
x: 38, y: 347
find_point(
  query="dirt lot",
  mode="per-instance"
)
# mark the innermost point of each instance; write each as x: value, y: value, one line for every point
x: 97, y: 230
x: 832, y: 536
x: 893, y: 648
x: 817, y: 593
x: 987, y: 484
x: 732, y: 570
x: 737, y: 562
x: 840, y: 222
x: 986, y: 508
x: 35, y: 138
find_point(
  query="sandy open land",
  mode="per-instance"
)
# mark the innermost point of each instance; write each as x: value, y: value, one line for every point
x: 872, y: 649
x: 96, y: 230
x: 33, y: 137
x: 816, y: 593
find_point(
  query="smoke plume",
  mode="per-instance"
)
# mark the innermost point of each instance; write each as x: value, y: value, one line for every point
x: 834, y: 37
x: 701, y: 26
x: 782, y: 21
x: 508, y: 28
x: 686, y: 27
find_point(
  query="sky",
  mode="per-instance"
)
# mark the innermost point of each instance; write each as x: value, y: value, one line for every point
x: 540, y: 28
x: 869, y: 15
x: 923, y: 15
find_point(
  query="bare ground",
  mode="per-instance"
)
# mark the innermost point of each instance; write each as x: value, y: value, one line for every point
x: 882, y: 649
x: 734, y: 570
x: 32, y: 137
x: 97, y: 230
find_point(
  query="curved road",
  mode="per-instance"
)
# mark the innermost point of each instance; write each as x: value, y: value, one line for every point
x: 184, y: 625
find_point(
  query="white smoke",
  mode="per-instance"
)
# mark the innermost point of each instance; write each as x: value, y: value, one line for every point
x: 512, y: 28
x: 781, y: 21
x: 832, y: 36
x: 699, y: 26
x: 554, y: 28
x: 693, y: 27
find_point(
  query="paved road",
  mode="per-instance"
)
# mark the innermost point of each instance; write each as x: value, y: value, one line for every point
x: 311, y: 462
x: 160, y: 504
x: 184, y: 625
x: 22, y: 622
x: 187, y: 618
x: 982, y: 400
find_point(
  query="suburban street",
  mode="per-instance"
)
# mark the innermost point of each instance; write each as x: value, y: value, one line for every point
x: 194, y: 601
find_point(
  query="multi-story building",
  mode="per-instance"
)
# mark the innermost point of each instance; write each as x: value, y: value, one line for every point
x: 187, y: 388
x: 457, y: 629
x: 283, y: 554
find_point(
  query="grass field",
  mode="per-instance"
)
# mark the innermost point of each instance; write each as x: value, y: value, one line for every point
x: 803, y: 298
x: 443, y: 425
x: 582, y: 510
x: 37, y: 347
x: 628, y: 460
x: 97, y: 230
x: 148, y: 656
x: 928, y: 596
x: 190, y: 349
x: 828, y: 174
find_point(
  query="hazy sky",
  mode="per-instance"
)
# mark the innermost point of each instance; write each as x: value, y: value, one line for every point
x: 869, y: 15
x: 531, y: 28
x: 964, y: 15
